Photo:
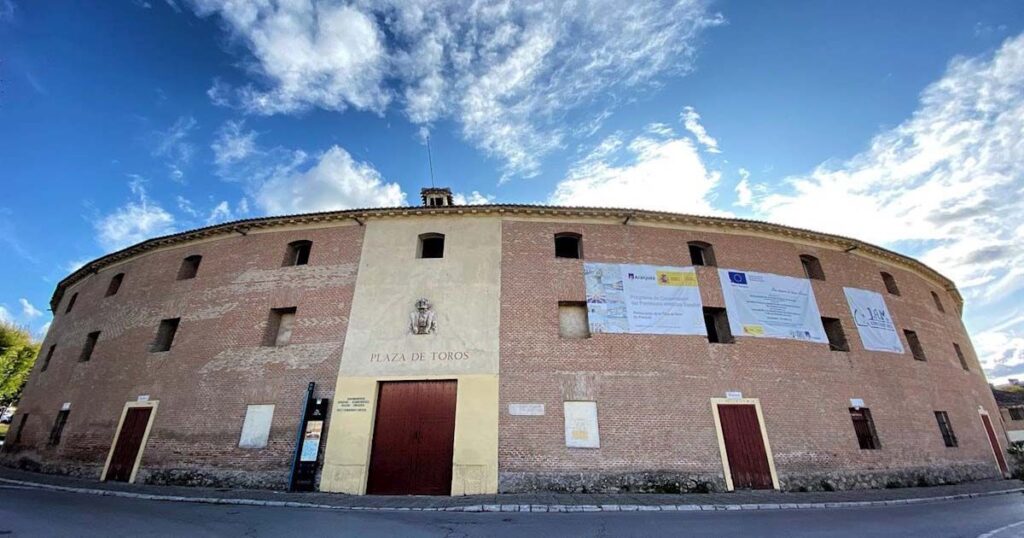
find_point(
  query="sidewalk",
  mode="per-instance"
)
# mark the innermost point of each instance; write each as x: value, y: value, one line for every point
x: 522, y: 502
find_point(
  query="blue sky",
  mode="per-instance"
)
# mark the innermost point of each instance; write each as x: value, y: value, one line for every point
x: 899, y: 123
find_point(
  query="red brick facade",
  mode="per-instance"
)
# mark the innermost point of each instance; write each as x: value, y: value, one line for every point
x: 653, y: 392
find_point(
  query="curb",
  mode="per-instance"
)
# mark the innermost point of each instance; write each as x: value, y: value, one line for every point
x: 546, y: 508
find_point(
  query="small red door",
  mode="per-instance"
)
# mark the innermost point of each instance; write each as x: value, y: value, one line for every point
x: 744, y: 447
x: 128, y: 443
x: 413, y: 439
x: 995, y: 444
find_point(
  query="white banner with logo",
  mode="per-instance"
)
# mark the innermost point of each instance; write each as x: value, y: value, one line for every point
x: 874, y: 324
x: 765, y: 305
x: 643, y: 299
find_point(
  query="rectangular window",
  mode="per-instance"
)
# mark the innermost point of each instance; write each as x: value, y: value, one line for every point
x: 864, y: 427
x: 716, y: 321
x: 836, y: 336
x: 58, y: 427
x: 46, y: 360
x: 165, y: 335
x: 21, y: 427
x: 431, y: 246
x: 567, y: 245
x: 701, y: 253
x: 915, y: 345
x: 948, y: 436
x: 256, y: 426
x: 90, y: 344
x: 189, y: 267
x: 572, y: 320
x: 1016, y: 413
x: 890, y: 284
x: 71, y: 303
x: 581, y: 425
x: 279, y: 327
x: 812, y: 267
x: 960, y: 356
x: 115, y: 284
x: 297, y: 253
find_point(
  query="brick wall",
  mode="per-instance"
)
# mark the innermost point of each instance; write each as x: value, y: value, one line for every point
x: 653, y: 392
x: 215, y: 368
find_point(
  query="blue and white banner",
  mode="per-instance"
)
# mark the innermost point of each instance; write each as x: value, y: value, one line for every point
x: 643, y: 299
x: 874, y: 324
x: 765, y: 305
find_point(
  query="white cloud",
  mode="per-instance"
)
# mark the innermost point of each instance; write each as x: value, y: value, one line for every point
x: 28, y: 310
x: 506, y: 71
x: 136, y: 221
x: 474, y: 198
x: 233, y: 145
x: 220, y: 213
x: 185, y: 206
x: 335, y: 181
x: 5, y: 315
x: 664, y: 174
x: 74, y: 265
x: 174, y: 147
x: 744, y: 193
x: 691, y: 120
x: 45, y: 328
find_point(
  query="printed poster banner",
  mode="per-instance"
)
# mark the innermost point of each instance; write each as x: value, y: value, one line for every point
x: 643, y: 299
x: 874, y: 324
x: 765, y: 305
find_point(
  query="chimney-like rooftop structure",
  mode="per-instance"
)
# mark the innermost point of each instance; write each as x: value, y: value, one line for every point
x: 437, y: 197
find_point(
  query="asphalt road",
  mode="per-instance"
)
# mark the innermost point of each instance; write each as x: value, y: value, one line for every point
x: 32, y: 512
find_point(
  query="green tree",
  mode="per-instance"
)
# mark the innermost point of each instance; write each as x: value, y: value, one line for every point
x: 17, y: 355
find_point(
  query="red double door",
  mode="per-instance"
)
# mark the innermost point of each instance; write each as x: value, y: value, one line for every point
x: 744, y: 447
x: 413, y: 439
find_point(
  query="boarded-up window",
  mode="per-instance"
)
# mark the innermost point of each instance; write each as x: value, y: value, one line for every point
x: 279, y: 326
x: 716, y: 322
x: 90, y: 344
x: 256, y: 427
x: 915, y: 345
x: 946, y: 429
x: 960, y: 356
x: 297, y: 253
x: 812, y: 267
x: 58, y: 427
x: 431, y: 246
x: 572, y: 320
x: 864, y: 427
x: 701, y: 253
x: 581, y: 425
x: 46, y: 360
x: 189, y: 267
x: 890, y: 283
x: 165, y: 335
x: 115, y: 284
x: 836, y: 335
x: 568, y: 245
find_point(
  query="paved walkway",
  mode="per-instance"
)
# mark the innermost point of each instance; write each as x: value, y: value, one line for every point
x: 522, y: 502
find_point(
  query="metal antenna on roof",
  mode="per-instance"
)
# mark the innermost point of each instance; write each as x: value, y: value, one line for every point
x: 430, y: 161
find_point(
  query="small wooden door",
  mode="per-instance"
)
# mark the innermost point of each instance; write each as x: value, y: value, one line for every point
x: 995, y: 444
x: 744, y: 447
x: 413, y: 439
x: 129, y: 441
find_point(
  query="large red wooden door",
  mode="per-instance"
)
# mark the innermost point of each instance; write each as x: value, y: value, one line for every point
x: 413, y: 439
x: 995, y: 444
x: 128, y: 443
x: 744, y: 447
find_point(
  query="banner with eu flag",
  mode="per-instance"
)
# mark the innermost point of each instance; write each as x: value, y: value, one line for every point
x: 765, y: 305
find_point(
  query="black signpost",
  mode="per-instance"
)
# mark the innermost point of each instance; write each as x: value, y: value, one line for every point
x: 307, y: 442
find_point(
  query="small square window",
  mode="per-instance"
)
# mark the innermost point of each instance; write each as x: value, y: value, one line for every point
x: 701, y: 253
x: 165, y: 335
x: 279, y: 326
x: 716, y: 322
x: 297, y: 253
x: 431, y: 246
x: 568, y: 245
x: 572, y: 320
x: 189, y: 267
x: 812, y: 267
x: 836, y: 335
x: 915, y: 345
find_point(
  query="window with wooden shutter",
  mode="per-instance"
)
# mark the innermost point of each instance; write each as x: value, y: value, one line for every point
x: 864, y: 427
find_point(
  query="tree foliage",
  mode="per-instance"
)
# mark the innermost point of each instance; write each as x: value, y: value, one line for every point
x: 17, y: 355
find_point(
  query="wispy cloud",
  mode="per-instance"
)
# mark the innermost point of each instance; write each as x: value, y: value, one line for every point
x: 505, y: 71
x: 174, y: 146
x: 7, y: 9
x: 137, y: 220
x: 28, y: 309
x: 691, y: 120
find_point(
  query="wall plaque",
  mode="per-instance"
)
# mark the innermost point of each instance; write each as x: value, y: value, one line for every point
x: 526, y: 409
x: 734, y: 395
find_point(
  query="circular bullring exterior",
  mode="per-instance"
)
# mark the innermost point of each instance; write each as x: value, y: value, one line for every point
x: 192, y: 366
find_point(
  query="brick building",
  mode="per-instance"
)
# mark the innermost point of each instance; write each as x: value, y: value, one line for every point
x: 185, y: 359
x: 1011, y: 412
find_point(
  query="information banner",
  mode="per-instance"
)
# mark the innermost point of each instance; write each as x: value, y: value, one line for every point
x: 874, y: 324
x: 765, y: 305
x: 643, y: 299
